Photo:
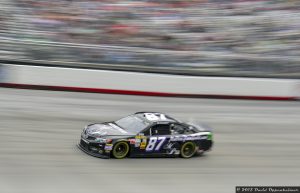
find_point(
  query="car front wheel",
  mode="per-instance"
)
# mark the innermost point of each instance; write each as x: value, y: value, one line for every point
x: 120, y: 150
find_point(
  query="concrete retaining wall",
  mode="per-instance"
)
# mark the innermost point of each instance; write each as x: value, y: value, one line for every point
x: 150, y: 84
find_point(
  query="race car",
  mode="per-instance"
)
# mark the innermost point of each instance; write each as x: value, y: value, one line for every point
x: 145, y: 134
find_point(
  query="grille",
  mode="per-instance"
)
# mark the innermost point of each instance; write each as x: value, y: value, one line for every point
x: 83, y: 144
x: 91, y: 138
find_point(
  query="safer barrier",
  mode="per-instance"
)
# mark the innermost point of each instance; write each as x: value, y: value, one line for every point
x: 105, y: 81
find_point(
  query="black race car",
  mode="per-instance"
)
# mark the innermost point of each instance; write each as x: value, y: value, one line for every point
x: 145, y: 134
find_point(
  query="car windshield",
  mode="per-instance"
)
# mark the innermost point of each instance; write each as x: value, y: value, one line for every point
x: 132, y: 124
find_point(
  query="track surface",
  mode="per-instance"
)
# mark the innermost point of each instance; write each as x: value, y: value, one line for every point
x: 257, y: 143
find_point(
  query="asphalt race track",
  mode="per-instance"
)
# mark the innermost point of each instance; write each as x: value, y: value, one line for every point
x: 257, y: 143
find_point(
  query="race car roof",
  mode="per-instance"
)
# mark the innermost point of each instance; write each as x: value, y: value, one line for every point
x: 155, y: 117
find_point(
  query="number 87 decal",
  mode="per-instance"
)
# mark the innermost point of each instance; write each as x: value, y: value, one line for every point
x: 155, y: 143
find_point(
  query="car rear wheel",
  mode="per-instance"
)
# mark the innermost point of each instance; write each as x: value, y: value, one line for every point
x: 188, y: 149
x: 120, y: 150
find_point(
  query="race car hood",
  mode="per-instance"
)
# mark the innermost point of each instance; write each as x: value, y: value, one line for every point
x: 104, y: 129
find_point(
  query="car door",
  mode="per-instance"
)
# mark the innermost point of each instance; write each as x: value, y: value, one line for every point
x: 157, y: 137
x: 152, y: 141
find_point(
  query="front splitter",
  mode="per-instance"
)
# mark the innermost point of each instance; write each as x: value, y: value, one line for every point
x: 91, y: 153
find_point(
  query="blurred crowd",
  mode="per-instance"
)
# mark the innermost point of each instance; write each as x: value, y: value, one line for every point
x: 158, y: 32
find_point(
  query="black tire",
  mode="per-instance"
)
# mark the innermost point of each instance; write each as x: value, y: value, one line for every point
x: 188, y: 149
x: 120, y: 150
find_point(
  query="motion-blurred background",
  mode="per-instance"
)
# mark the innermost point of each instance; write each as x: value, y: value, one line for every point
x: 242, y: 49
x: 219, y: 37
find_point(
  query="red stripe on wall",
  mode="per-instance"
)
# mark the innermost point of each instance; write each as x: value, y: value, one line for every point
x: 141, y: 93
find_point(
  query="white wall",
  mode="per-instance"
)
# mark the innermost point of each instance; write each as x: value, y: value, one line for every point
x: 173, y: 84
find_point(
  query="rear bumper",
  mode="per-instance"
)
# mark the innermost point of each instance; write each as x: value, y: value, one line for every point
x: 87, y: 149
x: 206, y: 145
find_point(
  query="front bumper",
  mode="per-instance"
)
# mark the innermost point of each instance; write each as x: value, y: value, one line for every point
x: 93, y: 149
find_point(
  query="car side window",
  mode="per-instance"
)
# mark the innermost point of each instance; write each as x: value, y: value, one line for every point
x: 147, y: 132
x: 180, y: 129
x: 161, y: 129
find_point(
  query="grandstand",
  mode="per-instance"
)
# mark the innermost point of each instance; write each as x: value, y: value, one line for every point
x: 221, y: 37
